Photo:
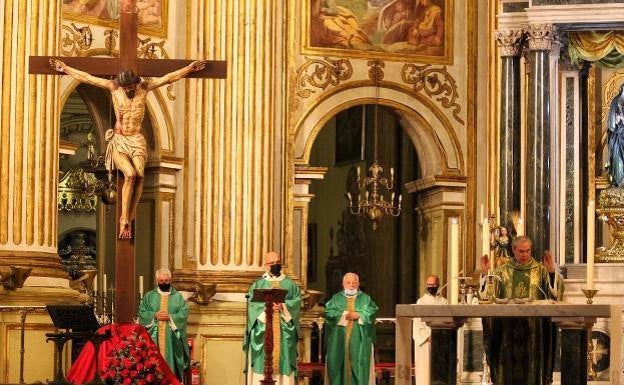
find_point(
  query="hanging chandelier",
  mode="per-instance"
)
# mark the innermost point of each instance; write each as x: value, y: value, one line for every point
x: 371, y: 200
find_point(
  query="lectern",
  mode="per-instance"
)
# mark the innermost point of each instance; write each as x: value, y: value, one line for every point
x: 81, y: 320
x: 269, y: 297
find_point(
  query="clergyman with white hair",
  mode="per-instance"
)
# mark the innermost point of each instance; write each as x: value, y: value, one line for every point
x: 163, y: 312
x: 350, y: 333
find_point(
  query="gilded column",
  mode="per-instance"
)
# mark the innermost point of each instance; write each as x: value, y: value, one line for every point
x: 29, y: 138
x: 231, y: 143
x: 509, y: 143
x: 540, y: 38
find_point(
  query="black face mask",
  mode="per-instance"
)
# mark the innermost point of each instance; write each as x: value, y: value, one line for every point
x: 276, y: 269
x: 433, y: 290
x: 164, y: 287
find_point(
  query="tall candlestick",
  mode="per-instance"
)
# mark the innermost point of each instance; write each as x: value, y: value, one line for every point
x: 95, y: 283
x: 141, y: 286
x: 485, y: 237
x: 481, y: 217
x: 591, y: 237
x: 520, y: 229
x: 104, y: 287
x: 454, y: 262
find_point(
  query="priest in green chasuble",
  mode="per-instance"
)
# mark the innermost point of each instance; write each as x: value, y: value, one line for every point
x: 350, y: 335
x: 285, y: 326
x: 163, y: 312
x: 522, y: 350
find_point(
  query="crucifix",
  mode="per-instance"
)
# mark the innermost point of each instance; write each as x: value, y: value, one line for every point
x: 126, y: 149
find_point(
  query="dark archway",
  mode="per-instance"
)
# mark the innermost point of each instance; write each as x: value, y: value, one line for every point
x: 385, y: 258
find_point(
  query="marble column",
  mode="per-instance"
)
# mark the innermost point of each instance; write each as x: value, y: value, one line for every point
x: 540, y: 38
x: 509, y: 143
x: 29, y: 140
x: 574, y: 337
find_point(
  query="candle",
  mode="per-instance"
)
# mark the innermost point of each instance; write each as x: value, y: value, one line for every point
x: 358, y: 172
x: 520, y: 229
x: 591, y: 238
x: 454, y: 262
x: 498, y: 217
x: 485, y: 235
x: 104, y: 287
x: 481, y: 217
x: 95, y: 283
x: 141, y: 286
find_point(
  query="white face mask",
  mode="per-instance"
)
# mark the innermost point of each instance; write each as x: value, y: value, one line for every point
x: 350, y: 292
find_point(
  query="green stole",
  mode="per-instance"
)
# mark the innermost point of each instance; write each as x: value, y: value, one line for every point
x: 172, y: 344
x: 285, y: 334
x: 349, y: 348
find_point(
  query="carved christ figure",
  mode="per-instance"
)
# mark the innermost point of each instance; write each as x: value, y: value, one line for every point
x: 127, y: 150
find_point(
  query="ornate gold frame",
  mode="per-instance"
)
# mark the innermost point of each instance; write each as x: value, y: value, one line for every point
x: 152, y: 31
x: 447, y: 58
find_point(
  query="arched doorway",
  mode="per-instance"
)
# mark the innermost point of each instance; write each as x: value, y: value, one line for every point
x: 385, y: 258
x: 437, y: 190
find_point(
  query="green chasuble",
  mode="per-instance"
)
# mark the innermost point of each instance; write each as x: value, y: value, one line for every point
x: 349, y: 344
x: 522, y: 350
x: 176, y: 346
x: 289, y: 327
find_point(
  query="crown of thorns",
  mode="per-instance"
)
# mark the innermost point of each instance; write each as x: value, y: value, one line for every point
x: 127, y: 78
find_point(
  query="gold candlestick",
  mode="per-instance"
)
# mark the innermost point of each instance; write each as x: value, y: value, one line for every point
x: 590, y: 294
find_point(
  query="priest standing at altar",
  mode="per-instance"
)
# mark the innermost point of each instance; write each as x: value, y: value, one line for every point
x: 521, y: 351
x: 285, y: 326
x: 422, y: 332
x: 163, y: 311
x: 350, y: 335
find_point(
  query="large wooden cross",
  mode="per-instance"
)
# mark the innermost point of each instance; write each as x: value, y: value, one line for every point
x: 125, y: 298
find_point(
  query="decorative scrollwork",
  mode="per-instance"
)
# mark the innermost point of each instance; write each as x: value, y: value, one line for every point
x: 434, y: 82
x: 316, y: 73
x: 376, y: 72
x: 110, y: 40
x: 75, y: 39
x: 152, y: 50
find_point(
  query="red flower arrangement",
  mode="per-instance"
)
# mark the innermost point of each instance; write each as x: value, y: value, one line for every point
x: 133, y: 361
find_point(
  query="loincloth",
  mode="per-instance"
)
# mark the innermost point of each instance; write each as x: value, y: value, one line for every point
x: 129, y: 145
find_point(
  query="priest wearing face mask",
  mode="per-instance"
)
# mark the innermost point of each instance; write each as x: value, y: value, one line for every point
x: 350, y: 334
x: 163, y: 312
x: 422, y: 332
x: 285, y: 326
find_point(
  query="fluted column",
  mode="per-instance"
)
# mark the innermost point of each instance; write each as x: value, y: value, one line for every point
x: 228, y: 214
x: 29, y: 123
x: 540, y: 38
x: 509, y: 143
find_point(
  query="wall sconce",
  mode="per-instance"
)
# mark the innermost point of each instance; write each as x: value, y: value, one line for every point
x: 14, y: 277
x: 203, y: 293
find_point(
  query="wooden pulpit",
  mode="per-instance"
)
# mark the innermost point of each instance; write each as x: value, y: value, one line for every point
x: 269, y: 297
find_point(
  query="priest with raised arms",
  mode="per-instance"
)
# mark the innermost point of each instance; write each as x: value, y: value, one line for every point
x: 285, y: 326
x: 163, y: 312
x: 521, y: 351
x: 350, y: 333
